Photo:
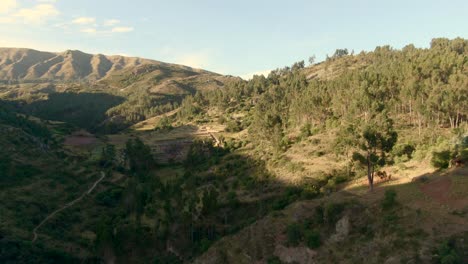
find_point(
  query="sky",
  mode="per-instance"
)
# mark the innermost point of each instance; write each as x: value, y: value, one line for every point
x: 237, y: 37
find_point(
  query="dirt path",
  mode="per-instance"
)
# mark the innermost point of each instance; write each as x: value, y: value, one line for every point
x: 66, y: 206
x: 216, y: 140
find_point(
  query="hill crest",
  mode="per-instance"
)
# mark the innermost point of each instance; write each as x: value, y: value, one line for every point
x: 32, y: 65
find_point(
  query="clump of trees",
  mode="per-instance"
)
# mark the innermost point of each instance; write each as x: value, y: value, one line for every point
x: 11, y: 118
x: 139, y: 156
x: 412, y: 88
x: 165, y: 123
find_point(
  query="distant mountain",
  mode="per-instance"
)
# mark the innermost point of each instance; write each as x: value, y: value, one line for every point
x: 93, y: 91
x: 31, y: 65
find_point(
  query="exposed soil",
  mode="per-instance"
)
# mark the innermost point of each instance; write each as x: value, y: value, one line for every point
x: 439, y: 190
x: 79, y: 141
x: 80, y: 138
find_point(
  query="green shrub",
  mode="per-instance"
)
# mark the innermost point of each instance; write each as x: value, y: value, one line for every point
x: 390, y: 219
x: 389, y: 199
x: 312, y: 239
x: 274, y: 260
x: 319, y: 215
x: 441, y: 160
x: 164, y: 123
x: 404, y: 150
x: 280, y: 203
x: 109, y: 198
x: 233, y: 126
x: 306, y: 131
x: 448, y: 254
x: 310, y: 191
x: 333, y: 212
x: 294, y: 234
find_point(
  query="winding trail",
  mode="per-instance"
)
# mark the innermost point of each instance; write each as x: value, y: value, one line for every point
x: 66, y: 206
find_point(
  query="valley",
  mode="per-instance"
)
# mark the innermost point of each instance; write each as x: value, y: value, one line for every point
x: 359, y: 158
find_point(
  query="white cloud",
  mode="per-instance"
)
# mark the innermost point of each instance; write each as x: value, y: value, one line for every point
x: 84, y: 20
x: 121, y: 29
x: 111, y: 22
x: 89, y: 30
x: 46, y: 1
x: 25, y: 42
x: 37, y: 14
x: 7, y: 20
x: 7, y: 6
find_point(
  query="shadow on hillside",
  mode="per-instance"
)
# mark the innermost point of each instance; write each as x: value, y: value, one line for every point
x: 85, y: 110
x: 431, y: 208
x: 441, y: 188
x: 210, y: 193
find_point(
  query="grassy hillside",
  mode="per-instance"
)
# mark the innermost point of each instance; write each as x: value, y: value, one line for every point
x: 352, y: 226
x: 272, y: 170
x: 73, y: 85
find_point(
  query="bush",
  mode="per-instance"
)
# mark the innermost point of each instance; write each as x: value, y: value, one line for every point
x: 319, y: 215
x: 280, y: 203
x: 448, y: 254
x: 441, y: 160
x: 294, y: 234
x: 310, y: 191
x: 274, y: 260
x: 306, y: 131
x: 233, y: 126
x: 109, y: 198
x: 389, y: 199
x: 164, y: 124
x: 312, y: 239
x: 404, y: 150
x: 333, y: 212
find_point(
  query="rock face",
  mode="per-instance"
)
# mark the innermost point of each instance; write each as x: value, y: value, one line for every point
x: 301, y: 255
x: 342, y: 229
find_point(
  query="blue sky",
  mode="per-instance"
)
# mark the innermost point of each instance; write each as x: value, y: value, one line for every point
x: 231, y: 37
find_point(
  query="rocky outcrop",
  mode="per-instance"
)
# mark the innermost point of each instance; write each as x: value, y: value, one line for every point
x: 342, y: 229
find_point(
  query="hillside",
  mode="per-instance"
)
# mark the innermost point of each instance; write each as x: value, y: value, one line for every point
x: 27, y: 65
x: 360, y: 158
x: 120, y: 91
x: 353, y: 226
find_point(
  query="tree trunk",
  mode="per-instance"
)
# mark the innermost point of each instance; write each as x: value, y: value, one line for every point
x: 369, y: 174
x: 411, y: 112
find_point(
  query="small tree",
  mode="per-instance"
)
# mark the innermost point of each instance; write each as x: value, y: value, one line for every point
x: 108, y: 155
x: 164, y: 124
x: 375, y: 140
x: 340, y: 53
x: 312, y: 60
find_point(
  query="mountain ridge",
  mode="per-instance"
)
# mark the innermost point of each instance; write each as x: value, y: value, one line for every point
x: 25, y: 64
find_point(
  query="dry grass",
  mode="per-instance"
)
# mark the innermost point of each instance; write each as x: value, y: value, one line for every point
x: 150, y: 123
x: 309, y: 158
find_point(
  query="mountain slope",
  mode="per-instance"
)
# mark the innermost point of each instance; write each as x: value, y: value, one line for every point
x: 69, y: 86
x: 33, y: 65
